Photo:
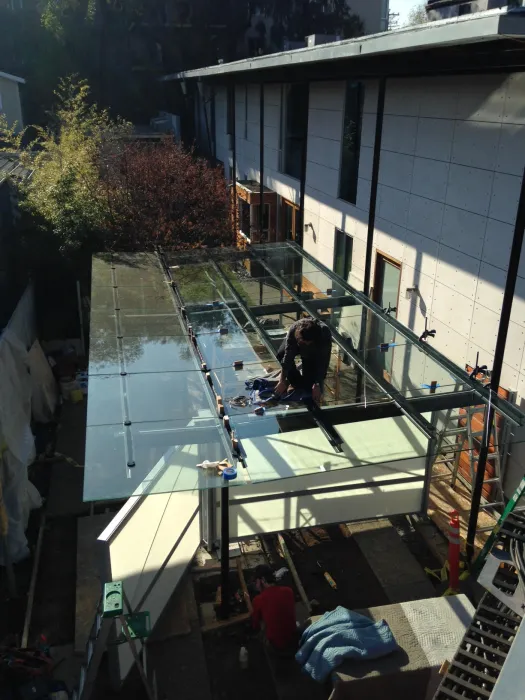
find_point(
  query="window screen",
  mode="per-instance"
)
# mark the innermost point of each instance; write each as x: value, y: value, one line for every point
x: 351, y: 142
x: 294, y: 128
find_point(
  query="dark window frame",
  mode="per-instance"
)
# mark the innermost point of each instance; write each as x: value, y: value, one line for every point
x: 347, y: 242
x: 349, y: 162
x: 294, y: 107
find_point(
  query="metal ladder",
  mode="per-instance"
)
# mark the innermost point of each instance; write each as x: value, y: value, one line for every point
x: 452, y: 451
x: 133, y: 626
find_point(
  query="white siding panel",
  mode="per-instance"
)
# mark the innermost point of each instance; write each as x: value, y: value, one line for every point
x: 368, y: 130
x: 449, y: 304
x: 421, y: 253
x: 518, y: 303
x: 363, y: 194
x: 329, y: 95
x: 395, y: 170
x: 514, y: 346
x: 449, y: 341
x: 325, y: 123
x: 399, y: 134
x: 390, y: 239
x: 430, y: 179
x: 498, y: 242
x: 324, y: 151
x: 393, y: 205
x: 321, y: 178
x: 511, y: 152
x: 505, y: 196
x: 484, y: 328
x: 403, y: 97
x: 331, y: 214
x: 425, y: 216
x: 469, y: 188
x: 271, y: 159
x: 311, y: 203
x: 476, y: 144
x: 514, y: 112
x: 415, y: 278
x: 434, y: 138
x: 490, y: 287
x: 370, y: 101
x: 482, y: 98
x: 366, y: 158
x: 272, y: 95
x: 463, y: 231
x: 458, y: 271
x: 440, y: 98
x: 271, y: 137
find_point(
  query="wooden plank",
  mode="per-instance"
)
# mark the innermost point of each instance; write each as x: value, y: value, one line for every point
x: 32, y: 585
x: 244, y: 587
x: 225, y: 623
x: 294, y: 573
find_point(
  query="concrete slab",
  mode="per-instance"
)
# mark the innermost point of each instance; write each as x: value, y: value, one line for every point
x: 88, y: 578
x: 397, y: 570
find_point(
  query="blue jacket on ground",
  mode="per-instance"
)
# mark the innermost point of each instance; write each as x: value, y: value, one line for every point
x: 342, y: 634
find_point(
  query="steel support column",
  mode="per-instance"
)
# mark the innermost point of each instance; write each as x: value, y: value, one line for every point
x: 420, y: 422
x: 233, y: 174
x: 495, y: 377
x: 261, y: 157
x: 304, y: 162
x: 225, y: 552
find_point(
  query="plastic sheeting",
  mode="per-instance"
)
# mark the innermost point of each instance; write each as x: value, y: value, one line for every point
x: 44, y: 392
x: 17, y: 449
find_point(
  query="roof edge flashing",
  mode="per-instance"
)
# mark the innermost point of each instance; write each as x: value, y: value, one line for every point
x: 477, y: 28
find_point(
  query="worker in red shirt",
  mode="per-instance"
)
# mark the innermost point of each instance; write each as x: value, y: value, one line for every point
x: 274, y: 611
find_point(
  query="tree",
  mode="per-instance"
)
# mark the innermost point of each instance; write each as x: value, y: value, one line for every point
x: 417, y: 15
x: 93, y: 188
x: 161, y: 194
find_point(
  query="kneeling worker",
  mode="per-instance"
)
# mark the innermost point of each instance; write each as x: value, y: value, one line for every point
x: 274, y: 610
x: 311, y: 340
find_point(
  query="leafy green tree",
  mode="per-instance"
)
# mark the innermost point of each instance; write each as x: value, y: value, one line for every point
x: 417, y: 15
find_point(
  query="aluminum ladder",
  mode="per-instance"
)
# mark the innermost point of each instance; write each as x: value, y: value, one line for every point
x: 133, y: 626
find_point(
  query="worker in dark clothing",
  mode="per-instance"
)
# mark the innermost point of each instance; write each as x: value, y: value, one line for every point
x: 311, y: 340
x: 274, y: 610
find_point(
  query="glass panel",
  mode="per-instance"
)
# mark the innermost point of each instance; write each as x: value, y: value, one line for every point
x: 295, y: 127
x: 104, y: 355
x: 167, y: 396
x: 101, y: 271
x: 103, y: 299
x: 138, y: 269
x: 149, y: 324
x: 351, y: 142
x: 164, y: 456
x: 105, y: 406
x: 149, y: 298
x: 103, y: 323
x: 159, y: 354
x: 200, y: 284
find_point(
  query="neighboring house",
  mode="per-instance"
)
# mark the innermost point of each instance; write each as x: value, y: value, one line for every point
x: 10, y: 103
x: 444, y: 9
x: 450, y: 156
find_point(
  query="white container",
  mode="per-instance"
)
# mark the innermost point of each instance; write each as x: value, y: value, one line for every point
x: 243, y: 658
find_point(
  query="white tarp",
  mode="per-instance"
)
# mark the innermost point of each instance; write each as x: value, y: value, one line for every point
x: 17, y: 449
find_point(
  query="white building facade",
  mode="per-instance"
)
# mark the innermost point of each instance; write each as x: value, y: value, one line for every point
x: 452, y: 158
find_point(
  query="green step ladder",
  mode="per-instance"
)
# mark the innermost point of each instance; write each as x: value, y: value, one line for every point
x: 133, y: 626
x: 480, y: 560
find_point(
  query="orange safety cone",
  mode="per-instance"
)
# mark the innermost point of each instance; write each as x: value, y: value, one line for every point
x: 453, y: 551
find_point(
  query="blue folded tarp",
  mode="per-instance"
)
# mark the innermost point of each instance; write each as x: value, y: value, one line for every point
x: 342, y: 634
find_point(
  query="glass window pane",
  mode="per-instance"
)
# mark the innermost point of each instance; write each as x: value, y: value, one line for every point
x: 295, y: 128
x: 351, y: 142
x: 159, y: 354
x: 149, y: 324
x: 166, y: 396
x: 105, y: 405
x: 149, y: 298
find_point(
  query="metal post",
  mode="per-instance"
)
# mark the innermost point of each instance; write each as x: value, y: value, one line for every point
x: 225, y: 553
x: 234, y: 164
x: 371, y: 226
x: 261, y: 156
x: 304, y: 162
x: 495, y: 377
x: 375, y: 179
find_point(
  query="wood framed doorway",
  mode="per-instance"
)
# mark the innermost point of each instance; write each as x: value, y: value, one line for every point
x: 387, y: 282
x: 290, y: 223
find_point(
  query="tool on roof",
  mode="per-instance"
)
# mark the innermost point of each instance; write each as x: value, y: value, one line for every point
x: 426, y: 333
x: 327, y: 576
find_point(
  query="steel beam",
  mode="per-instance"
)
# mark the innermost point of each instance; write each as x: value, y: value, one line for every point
x: 261, y: 156
x: 495, y: 377
x: 502, y: 406
x: 304, y: 164
x: 389, y: 390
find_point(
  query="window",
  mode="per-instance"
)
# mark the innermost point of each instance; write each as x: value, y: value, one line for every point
x: 244, y: 216
x: 290, y: 221
x: 351, y: 142
x: 265, y: 221
x: 343, y: 246
x: 230, y: 110
x: 293, y: 128
x: 464, y: 9
x: 245, y: 112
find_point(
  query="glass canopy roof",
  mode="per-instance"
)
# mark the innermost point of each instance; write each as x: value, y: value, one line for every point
x: 171, y: 332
